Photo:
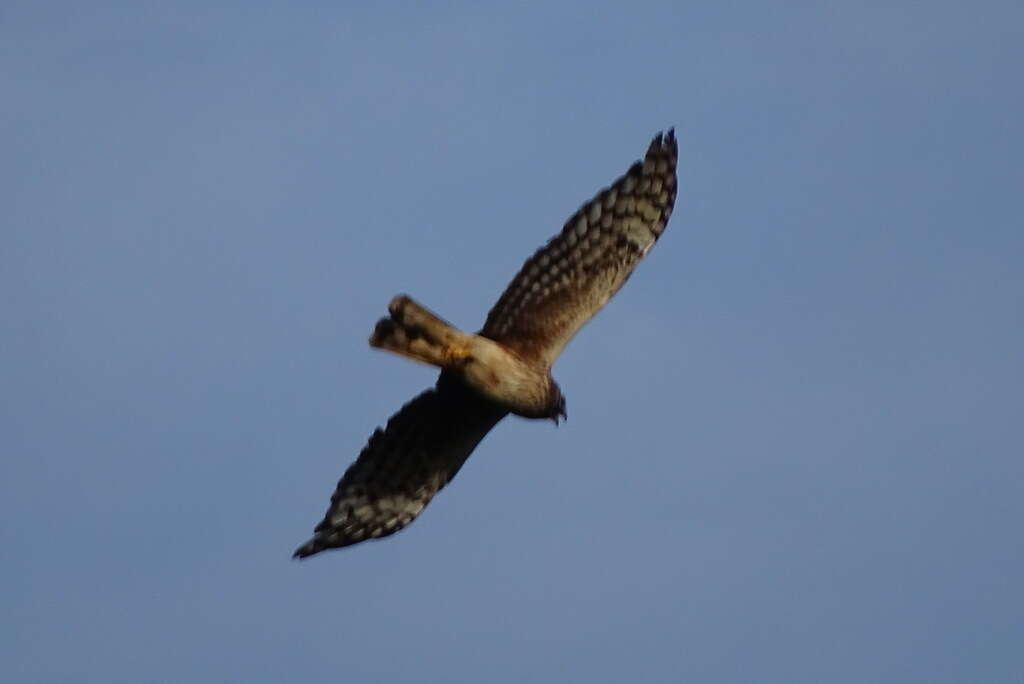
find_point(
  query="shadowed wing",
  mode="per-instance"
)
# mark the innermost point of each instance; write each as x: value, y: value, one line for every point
x: 404, y: 465
x: 570, y: 278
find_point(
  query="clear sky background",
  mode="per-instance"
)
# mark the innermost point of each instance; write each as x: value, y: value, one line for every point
x: 794, y: 447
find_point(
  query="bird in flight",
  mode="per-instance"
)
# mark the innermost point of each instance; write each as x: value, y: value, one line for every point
x: 506, y: 367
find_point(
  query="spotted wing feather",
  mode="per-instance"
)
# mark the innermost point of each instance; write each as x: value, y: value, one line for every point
x: 574, y: 275
x: 404, y: 465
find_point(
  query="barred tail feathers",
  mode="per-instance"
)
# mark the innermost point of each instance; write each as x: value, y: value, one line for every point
x: 416, y: 333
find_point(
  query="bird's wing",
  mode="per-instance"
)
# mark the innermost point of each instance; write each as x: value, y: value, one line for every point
x: 570, y: 278
x: 404, y: 465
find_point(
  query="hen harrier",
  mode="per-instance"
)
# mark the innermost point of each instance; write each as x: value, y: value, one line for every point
x: 506, y: 367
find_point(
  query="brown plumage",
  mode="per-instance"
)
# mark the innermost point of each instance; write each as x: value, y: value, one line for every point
x: 506, y: 367
x: 570, y: 278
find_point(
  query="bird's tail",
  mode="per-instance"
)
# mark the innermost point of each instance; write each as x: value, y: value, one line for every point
x: 416, y: 333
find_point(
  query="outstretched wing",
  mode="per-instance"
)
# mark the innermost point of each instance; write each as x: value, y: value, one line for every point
x: 404, y: 465
x: 570, y: 278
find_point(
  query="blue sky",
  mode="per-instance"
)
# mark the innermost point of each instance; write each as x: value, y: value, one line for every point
x: 794, y: 445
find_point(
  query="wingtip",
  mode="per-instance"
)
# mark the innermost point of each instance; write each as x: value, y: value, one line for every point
x: 663, y: 148
x: 308, y: 549
x: 663, y: 139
